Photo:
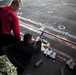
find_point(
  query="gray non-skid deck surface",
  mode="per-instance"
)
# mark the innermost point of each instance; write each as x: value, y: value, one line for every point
x: 48, y: 67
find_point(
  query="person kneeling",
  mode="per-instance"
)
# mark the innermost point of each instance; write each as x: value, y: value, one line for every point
x: 22, y: 51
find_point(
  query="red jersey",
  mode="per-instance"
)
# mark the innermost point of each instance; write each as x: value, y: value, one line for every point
x: 9, y: 21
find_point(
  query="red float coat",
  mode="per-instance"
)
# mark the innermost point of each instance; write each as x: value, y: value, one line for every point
x: 9, y: 21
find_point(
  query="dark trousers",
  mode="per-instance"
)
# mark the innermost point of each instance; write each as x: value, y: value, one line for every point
x: 6, y: 39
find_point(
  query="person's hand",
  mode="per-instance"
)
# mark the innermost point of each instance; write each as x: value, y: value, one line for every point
x: 21, y: 38
x: 48, y: 44
x: 33, y: 40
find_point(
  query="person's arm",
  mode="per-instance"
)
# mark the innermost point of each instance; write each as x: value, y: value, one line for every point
x: 37, y: 46
x: 16, y: 28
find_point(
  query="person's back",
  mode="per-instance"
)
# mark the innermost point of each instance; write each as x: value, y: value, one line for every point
x: 8, y: 18
x: 21, y: 54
